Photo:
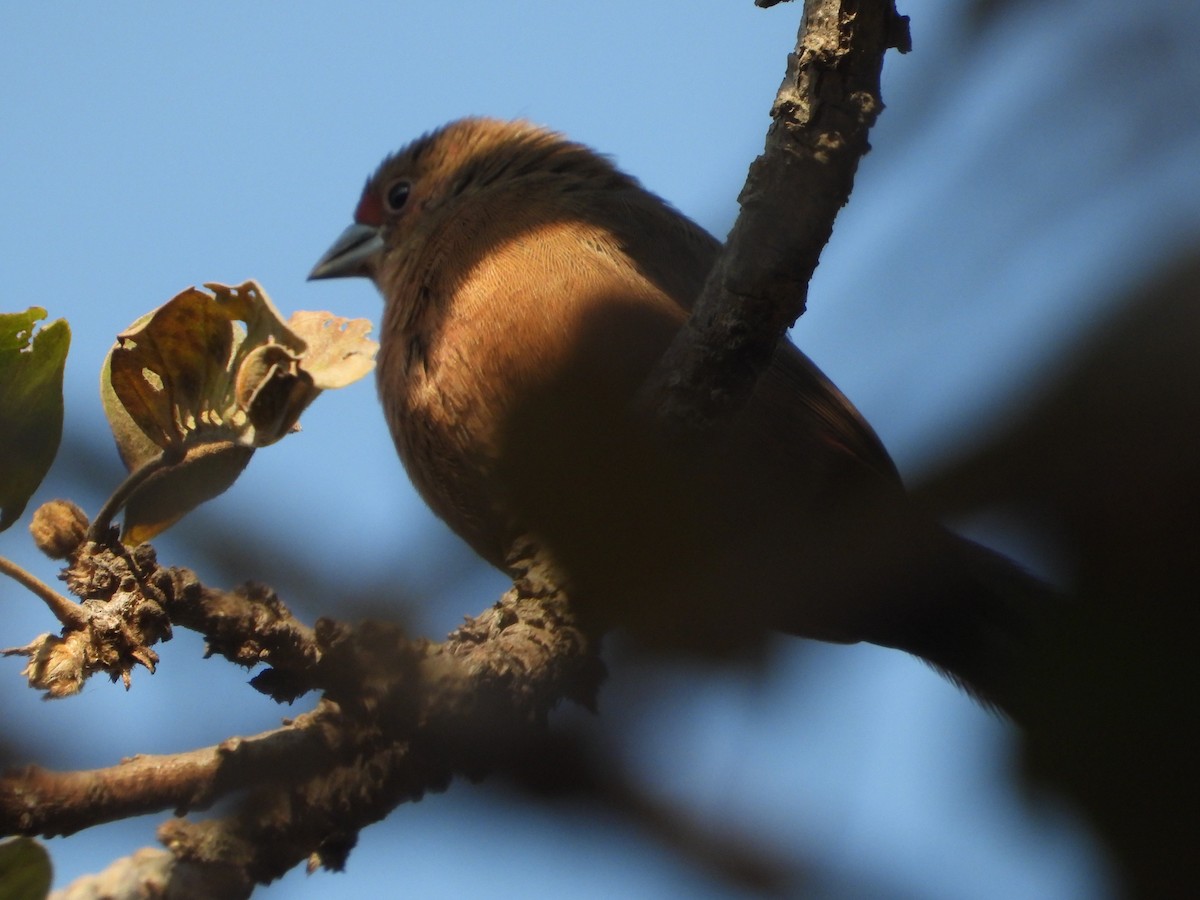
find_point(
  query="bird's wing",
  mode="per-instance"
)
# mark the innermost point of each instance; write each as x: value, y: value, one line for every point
x: 799, y: 381
x: 678, y: 261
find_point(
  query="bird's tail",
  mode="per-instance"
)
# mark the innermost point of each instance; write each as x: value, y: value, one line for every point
x: 981, y: 620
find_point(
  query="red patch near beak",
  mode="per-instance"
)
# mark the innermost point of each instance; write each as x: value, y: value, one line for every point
x: 370, y: 210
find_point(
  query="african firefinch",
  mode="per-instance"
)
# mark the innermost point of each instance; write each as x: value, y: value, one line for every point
x: 530, y: 287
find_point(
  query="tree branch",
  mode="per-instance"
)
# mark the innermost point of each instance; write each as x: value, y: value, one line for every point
x: 412, y: 715
x: 822, y: 113
x: 34, y: 800
x: 68, y: 613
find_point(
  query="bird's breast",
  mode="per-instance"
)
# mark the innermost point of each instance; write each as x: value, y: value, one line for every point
x: 520, y: 359
x: 444, y: 426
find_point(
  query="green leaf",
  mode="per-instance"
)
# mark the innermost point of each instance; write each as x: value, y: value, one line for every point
x: 31, y: 405
x: 25, y: 871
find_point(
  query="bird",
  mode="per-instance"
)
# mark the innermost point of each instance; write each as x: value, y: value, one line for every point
x: 530, y: 286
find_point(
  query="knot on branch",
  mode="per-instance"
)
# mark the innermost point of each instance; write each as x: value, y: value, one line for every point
x: 111, y: 631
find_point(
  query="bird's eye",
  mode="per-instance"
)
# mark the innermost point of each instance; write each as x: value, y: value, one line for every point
x: 397, y: 196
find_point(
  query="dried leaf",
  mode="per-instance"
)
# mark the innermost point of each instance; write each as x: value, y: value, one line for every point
x: 339, y: 351
x: 273, y: 390
x: 210, y: 373
x: 249, y: 303
x: 170, y: 370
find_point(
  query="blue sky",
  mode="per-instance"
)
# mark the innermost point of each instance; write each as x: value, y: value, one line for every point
x: 1011, y: 195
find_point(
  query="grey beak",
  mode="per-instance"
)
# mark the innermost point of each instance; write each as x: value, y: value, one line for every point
x: 350, y: 254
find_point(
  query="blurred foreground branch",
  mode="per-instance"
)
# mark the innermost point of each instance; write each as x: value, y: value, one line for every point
x: 400, y: 718
x: 1102, y: 466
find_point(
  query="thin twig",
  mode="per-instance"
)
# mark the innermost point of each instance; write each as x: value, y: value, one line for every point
x: 69, y: 613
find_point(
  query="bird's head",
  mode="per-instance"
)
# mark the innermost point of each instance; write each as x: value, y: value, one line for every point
x: 416, y: 189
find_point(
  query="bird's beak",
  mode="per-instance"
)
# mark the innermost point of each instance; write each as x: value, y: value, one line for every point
x: 350, y: 254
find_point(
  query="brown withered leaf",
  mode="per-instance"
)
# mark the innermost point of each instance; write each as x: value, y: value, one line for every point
x: 217, y: 369
x: 273, y: 390
x: 339, y: 351
x: 249, y: 304
x: 155, y: 377
x: 170, y: 369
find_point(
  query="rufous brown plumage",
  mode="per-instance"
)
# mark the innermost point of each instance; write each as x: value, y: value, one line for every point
x: 530, y: 287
